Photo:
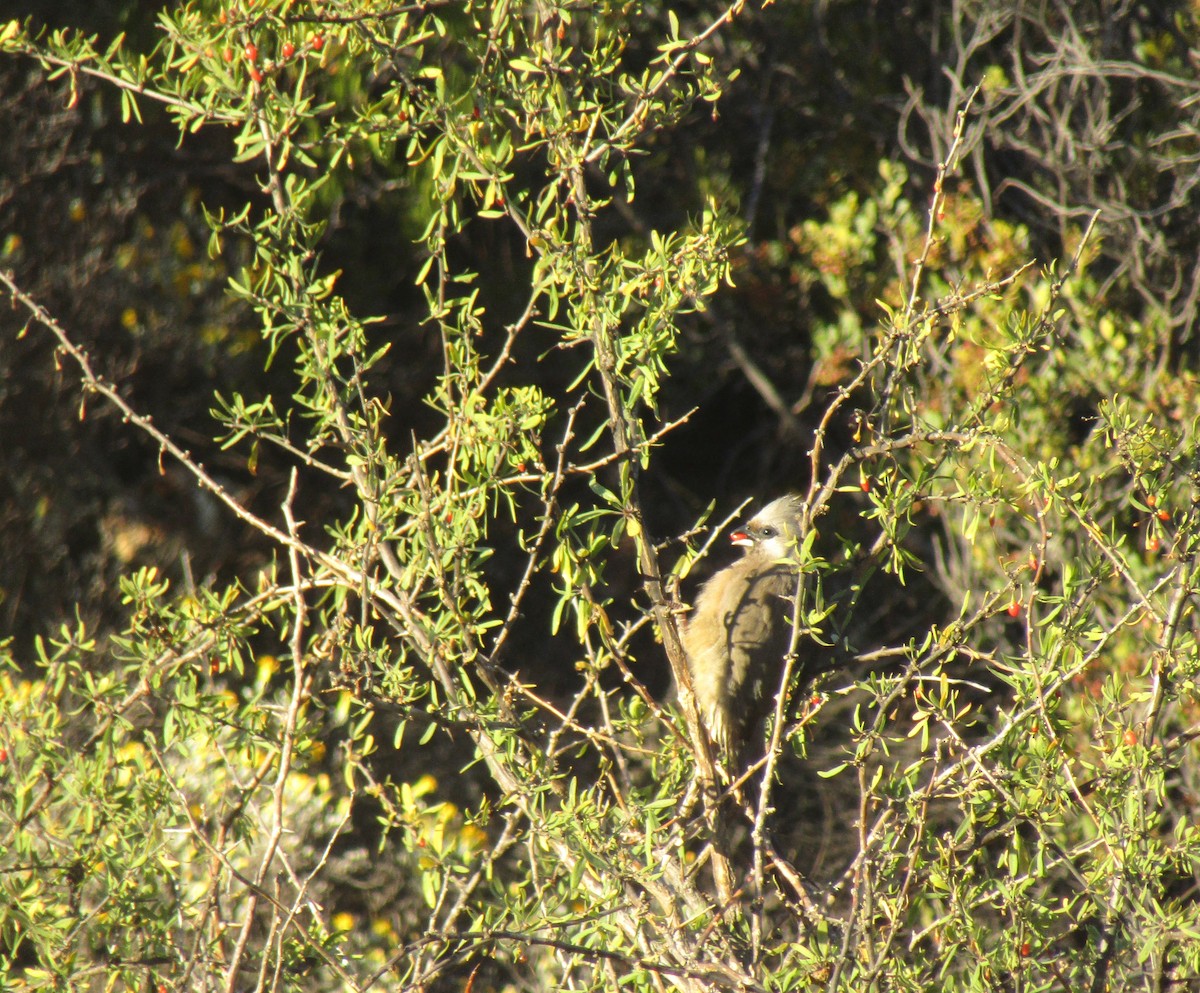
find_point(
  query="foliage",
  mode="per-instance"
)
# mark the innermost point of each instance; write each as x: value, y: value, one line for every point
x: 408, y: 741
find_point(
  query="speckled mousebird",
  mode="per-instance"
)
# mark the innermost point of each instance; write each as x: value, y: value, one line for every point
x: 740, y: 628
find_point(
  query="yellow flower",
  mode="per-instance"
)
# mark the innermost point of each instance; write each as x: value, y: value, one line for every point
x: 382, y: 928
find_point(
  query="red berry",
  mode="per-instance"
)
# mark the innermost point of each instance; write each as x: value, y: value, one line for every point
x: 1014, y: 609
x: 288, y: 50
x: 251, y: 51
x: 255, y: 74
x: 318, y: 42
x: 1152, y: 543
x: 1151, y: 500
x: 1131, y: 737
x: 227, y: 55
x: 3, y: 754
x: 1164, y: 515
x: 1025, y: 950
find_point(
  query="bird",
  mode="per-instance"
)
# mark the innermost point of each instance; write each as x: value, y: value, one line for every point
x: 740, y: 628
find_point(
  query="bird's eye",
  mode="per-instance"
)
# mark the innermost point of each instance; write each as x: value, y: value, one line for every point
x: 768, y: 532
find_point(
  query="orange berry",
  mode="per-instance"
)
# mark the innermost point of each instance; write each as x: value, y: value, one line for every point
x: 1014, y: 609
x: 288, y: 50
x: 251, y: 51
x: 317, y: 41
x: 255, y: 74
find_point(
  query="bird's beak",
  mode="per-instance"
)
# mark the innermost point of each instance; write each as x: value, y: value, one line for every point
x: 741, y: 538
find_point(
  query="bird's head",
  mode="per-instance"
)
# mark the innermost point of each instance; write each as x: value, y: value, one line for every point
x: 772, y: 532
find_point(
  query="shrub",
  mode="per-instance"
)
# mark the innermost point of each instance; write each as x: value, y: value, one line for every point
x: 411, y: 740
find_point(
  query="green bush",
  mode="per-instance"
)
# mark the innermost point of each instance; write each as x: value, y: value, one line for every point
x: 409, y: 741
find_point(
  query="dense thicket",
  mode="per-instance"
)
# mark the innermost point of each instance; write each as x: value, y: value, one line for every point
x: 376, y: 383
